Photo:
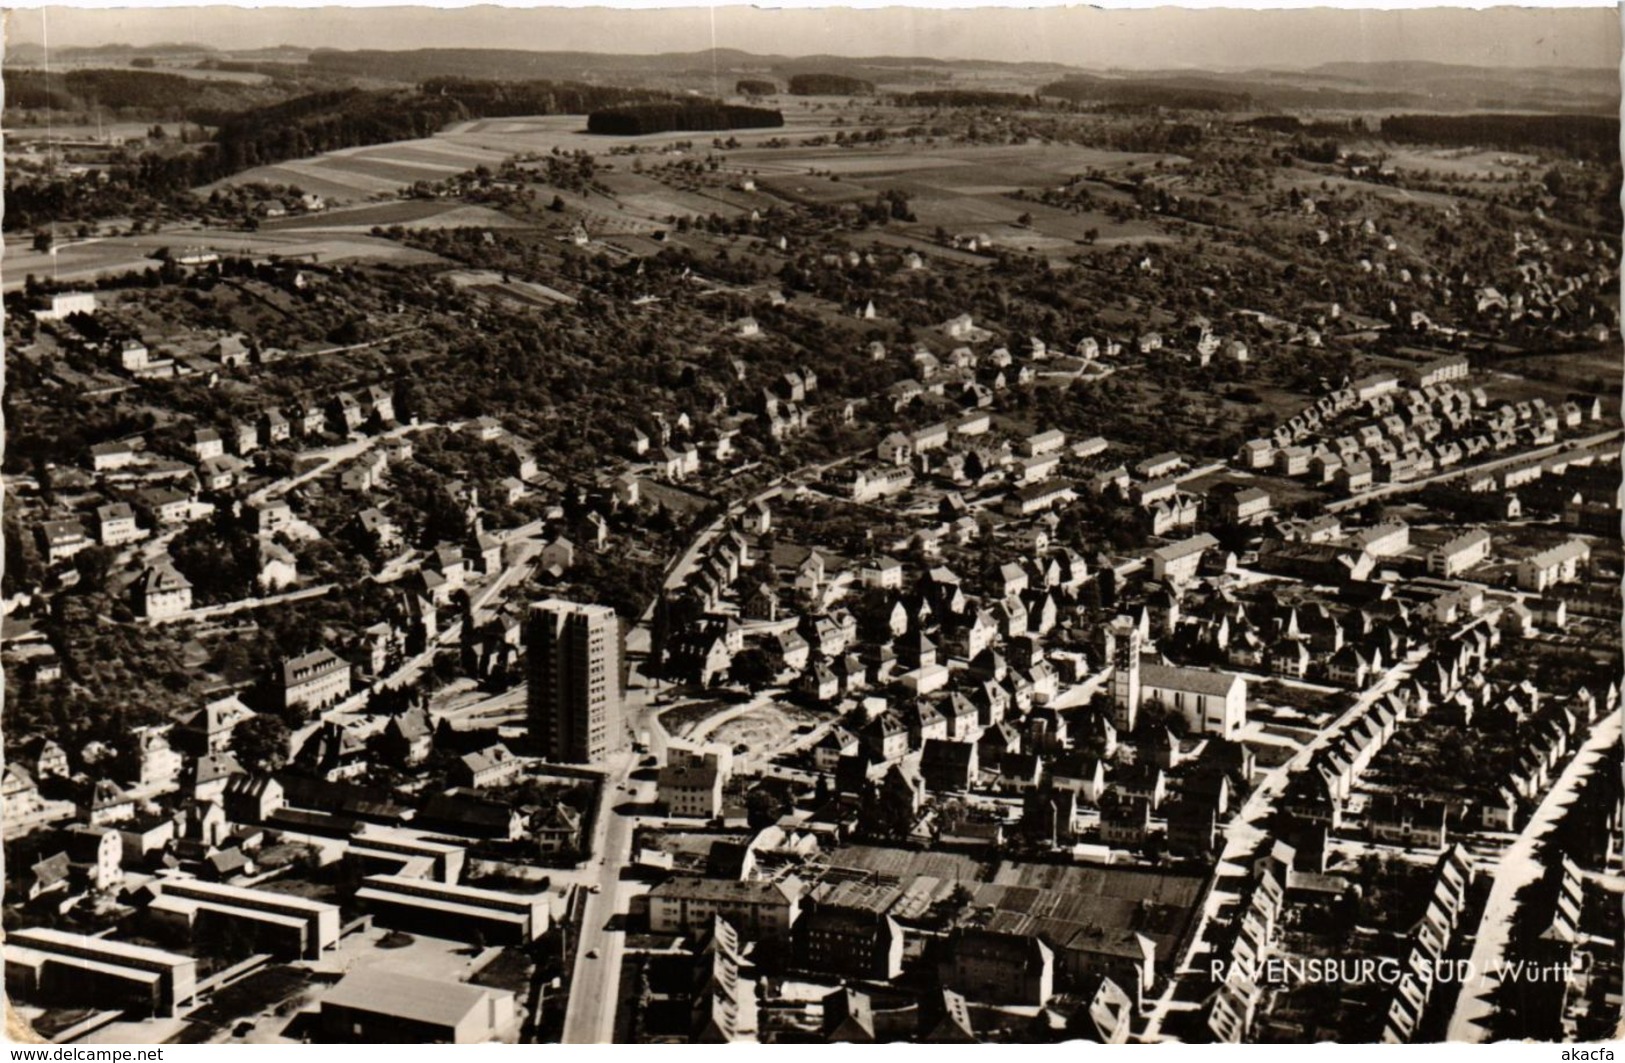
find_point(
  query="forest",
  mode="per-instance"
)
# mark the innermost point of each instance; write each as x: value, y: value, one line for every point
x: 1146, y: 94
x: 967, y: 98
x: 639, y: 119
x: 829, y: 85
x: 1583, y: 136
x: 142, y: 95
x: 1285, y: 123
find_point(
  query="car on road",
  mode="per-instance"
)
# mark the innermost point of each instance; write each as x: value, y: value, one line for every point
x: 595, y: 888
x: 592, y: 954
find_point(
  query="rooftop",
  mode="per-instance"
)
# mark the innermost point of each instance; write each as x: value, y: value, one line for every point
x: 1191, y: 680
x: 420, y: 1000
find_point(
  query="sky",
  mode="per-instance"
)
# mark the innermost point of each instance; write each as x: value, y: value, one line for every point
x: 1139, y: 38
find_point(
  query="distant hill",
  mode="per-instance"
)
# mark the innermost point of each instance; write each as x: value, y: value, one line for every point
x: 115, y: 54
x: 1354, y: 86
x: 1415, y: 86
x: 1472, y: 87
x: 507, y: 64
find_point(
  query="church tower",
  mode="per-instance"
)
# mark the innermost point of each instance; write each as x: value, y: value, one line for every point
x: 1123, y: 648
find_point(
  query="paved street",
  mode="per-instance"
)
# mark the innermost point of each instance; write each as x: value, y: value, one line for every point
x: 330, y: 458
x: 1242, y: 836
x: 595, y: 983
x: 1517, y: 868
x: 590, y: 1016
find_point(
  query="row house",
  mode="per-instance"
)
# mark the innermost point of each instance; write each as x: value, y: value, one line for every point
x: 870, y: 484
x: 1428, y: 942
x: 1037, y: 498
x: 1041, y: 443
x: 1256, y: 454
x: 1231, y: 1010
x: 1180, y: 510
x: 758, y: 909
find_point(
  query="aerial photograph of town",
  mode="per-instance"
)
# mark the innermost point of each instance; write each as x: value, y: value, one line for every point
x: 791, y: 526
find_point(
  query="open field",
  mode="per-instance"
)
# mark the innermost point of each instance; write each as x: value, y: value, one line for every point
x: 1594, y: 370
x: 113, y: 131
x: 964, y: 189
x: 85, y: 261
x: 487, y: 280
x: 971, y: 181
x: 356, y: 173
x: 408, y: 214
x: 1457, y: 162
x: 241, y: 77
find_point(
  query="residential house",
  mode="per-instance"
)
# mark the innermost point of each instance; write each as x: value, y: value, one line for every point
x: 105, y: 457
x: 206, y: 444
x: 758, y: 909
x: 1459, y: 554
x: 116, y: 524
x: 161, y: 592
x: 842, y: 942
x: 948, y: 765
x: 62, y: 539
x: 1559, y: 564
x: 315, y: 680
x: 988, y: 967
x: 494, y: 765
